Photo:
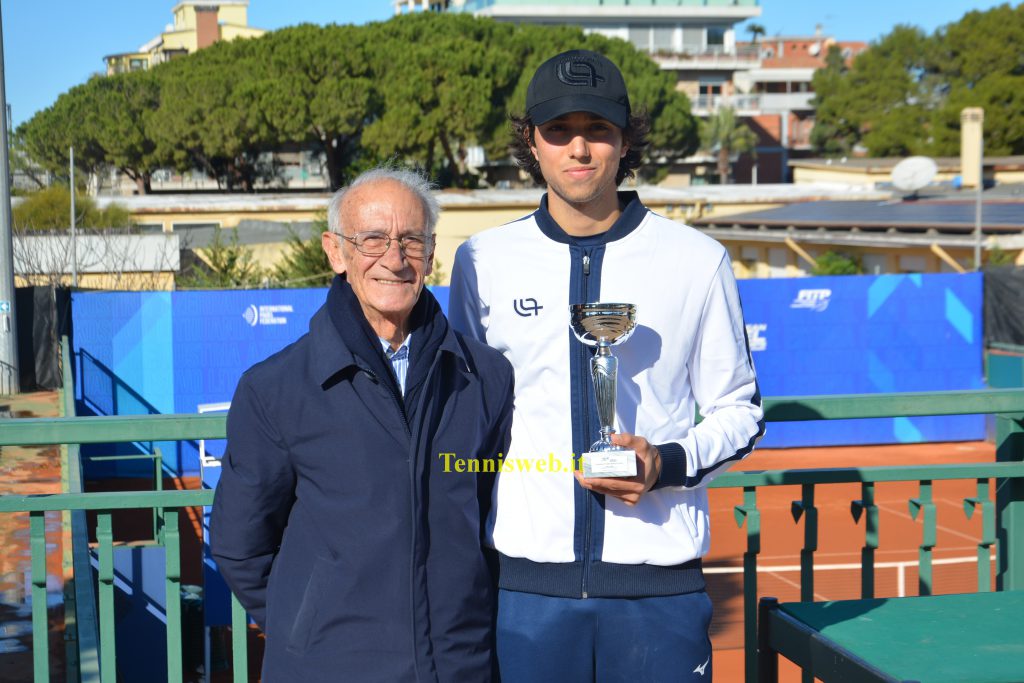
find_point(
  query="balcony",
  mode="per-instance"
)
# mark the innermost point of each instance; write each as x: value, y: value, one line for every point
x: 90, y: 605
x: 747, y: 7
x: 777, y: 103
x: 753, y: 105
x: 712, y: 58
x: 744, y: 105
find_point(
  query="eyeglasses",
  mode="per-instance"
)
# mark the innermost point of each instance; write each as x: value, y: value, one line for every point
x: 373, y: 243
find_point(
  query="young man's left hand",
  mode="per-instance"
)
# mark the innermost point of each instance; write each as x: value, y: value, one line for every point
x: 628, y: 489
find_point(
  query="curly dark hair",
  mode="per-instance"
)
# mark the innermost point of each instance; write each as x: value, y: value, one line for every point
x: 634, y: 135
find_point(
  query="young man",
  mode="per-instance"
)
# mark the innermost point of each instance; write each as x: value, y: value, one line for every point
x: 347, y: 538
x: 600, y: 579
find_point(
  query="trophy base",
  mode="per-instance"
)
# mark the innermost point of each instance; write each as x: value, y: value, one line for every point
x: 616, y: 463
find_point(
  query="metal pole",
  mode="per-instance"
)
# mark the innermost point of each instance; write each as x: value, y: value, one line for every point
x: 9, y: 380
x: 977, y: 202
x: 74, y: 252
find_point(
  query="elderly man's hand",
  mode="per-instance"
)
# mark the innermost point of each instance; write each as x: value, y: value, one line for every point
x: 628, y: 489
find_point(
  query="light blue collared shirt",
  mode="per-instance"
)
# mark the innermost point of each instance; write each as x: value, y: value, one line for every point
x: 399, y: 360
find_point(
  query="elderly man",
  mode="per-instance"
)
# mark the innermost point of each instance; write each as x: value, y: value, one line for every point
x: 336, y: 521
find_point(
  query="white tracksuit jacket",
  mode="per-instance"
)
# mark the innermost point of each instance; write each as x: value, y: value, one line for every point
x: 511, y: 288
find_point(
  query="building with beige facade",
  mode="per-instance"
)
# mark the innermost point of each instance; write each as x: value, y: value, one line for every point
x: 872, y: 171
x: 770, y: 230
x: 197, y: 24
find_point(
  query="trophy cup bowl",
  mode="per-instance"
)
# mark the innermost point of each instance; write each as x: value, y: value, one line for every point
x: 604, y: 325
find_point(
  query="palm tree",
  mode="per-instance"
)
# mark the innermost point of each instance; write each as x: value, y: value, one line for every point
x: 755, y: 31
x: 724, y: 134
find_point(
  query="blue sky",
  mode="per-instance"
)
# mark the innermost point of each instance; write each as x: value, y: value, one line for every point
x: 52, y: 45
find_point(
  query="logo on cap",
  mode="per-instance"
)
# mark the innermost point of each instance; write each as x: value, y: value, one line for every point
x: 579, y: 73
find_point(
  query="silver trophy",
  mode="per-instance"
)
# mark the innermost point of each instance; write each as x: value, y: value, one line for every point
x: 603, y: 326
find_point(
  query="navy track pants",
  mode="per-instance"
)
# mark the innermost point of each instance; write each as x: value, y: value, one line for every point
x: 603, y: 640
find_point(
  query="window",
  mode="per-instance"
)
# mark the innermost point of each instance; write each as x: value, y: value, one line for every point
x: 664, y: 38
x: 711, y: 85
x: 693, y: 39
x: 137, y: 64
x: 912, y: 263
x: 640, y: 36
x: 750, y: 257
x: 873, y: 263
x: 716, y: 36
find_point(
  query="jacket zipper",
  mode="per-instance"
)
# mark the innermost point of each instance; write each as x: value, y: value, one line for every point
x: 400, y: 404
x: 586, y: 431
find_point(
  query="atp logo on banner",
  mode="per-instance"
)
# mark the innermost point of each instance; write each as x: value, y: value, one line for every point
x: 813, y: 299
x: 266, y: 315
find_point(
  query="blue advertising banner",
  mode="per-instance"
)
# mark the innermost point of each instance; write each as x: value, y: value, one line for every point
x: 176, y: 352
x: 164, y: 352
x: 864, y: 335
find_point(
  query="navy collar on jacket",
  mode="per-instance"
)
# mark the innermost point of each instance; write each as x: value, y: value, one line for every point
x: 628, y: 221
x: 343, y: 337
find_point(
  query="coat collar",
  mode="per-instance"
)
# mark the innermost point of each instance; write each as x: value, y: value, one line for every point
x: 332, y: 353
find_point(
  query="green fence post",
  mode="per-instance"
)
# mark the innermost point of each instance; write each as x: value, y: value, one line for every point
x: 805, y: 507
x: 749, y: 513
x: 799, y: 508
x: 866, y: 505
x: 988, y: 533
x: 40, y: 621
x: 158, y: 485
x: 925, y: 505
x: 108, y: 649
x: 239, y: 642
x: 69, y: 460
x: 172, y: 555
x: 1010, y: 504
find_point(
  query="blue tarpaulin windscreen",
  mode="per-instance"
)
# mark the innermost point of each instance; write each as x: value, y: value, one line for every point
x: 164, y: 352
x: 865, y: 335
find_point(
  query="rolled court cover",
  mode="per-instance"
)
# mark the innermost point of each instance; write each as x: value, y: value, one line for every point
x: 1004, y: 305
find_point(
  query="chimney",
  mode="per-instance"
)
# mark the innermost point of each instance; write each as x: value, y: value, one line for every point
x: 207, y: 28
x: 972, y: 121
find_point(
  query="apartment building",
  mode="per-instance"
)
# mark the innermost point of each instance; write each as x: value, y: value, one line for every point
x: 696, y: 39
x: 197, y: 24
x: 776, y: 98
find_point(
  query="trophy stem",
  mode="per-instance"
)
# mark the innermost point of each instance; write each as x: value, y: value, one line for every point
x: 604, y: 371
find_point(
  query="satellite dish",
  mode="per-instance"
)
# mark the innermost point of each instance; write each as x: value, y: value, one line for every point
x: 814, y: 49
x: 913, y: 173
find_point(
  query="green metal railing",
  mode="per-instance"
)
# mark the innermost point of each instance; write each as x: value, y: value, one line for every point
x: 1002, y: 518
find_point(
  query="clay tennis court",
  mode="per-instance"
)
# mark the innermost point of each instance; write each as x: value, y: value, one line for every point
x: 839, y: 538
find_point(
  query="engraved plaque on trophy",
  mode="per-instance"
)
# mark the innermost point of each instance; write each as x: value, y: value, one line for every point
x: 603, y: 326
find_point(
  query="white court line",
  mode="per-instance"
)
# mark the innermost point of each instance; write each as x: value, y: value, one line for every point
x: 900, y: 567
x: 794, y: 584
x: 937, y: 525
x: 841, y: 566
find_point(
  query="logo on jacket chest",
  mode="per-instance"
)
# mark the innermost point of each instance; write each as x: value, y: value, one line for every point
x: 526, y: 307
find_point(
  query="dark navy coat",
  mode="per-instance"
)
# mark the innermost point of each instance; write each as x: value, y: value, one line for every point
x: 335, y: 523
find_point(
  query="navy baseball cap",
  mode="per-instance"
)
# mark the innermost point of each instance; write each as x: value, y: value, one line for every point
x: 578, y: 80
